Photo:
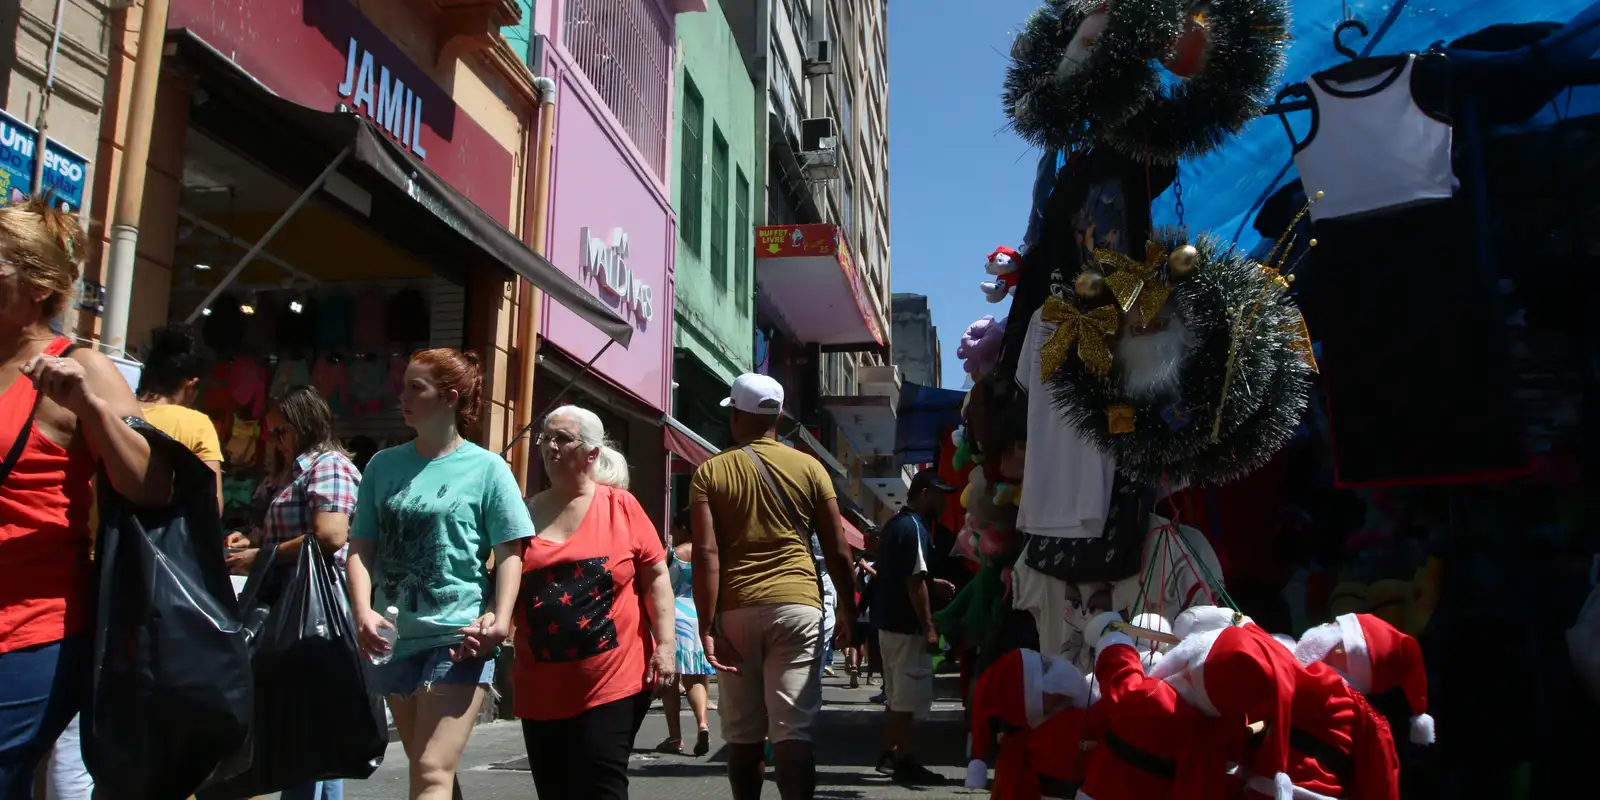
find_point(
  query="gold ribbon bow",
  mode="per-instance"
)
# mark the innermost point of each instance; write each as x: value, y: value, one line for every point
x: 1088, y: 329
x: 1136, y: 284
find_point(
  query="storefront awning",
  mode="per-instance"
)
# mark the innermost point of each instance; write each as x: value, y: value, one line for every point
x: 410, y: 204
x: 810, y: 284
x: 689, y: 448
x: 926, y: 414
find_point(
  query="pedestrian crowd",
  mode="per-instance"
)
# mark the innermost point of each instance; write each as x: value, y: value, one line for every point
x: 445, y: 561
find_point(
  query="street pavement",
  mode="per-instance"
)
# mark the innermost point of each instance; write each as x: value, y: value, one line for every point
x: 849, y: 741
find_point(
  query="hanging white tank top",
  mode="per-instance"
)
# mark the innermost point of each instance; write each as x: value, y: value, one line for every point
x: 1372, y: 147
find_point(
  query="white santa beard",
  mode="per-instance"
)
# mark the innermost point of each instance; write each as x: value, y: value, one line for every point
x: 1151, y: 362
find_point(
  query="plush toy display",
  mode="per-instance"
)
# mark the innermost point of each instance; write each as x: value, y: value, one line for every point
x: 1005, y: 265
x: 980, y: 346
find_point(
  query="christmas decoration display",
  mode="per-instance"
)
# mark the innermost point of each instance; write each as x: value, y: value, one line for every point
x: 1230, y: 56
x: 1040, y: 701
x: 1208, y: 379
x: 1374, y: 657
x: 1084, y: 71
x: 1005, y: 264
x: 980, y: 346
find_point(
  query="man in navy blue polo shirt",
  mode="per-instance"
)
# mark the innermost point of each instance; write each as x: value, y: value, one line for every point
x: 903, y: 614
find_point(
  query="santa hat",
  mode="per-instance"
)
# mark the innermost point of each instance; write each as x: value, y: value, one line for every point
x: 1378, y: 658
x: 1014, y: 688
x: 1239, y: 673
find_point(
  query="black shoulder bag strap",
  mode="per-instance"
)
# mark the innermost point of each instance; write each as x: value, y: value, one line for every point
x: 26, y: 433
x: 800, y: 527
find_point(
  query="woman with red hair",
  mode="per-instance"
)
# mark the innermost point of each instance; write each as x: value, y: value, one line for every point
x: 428, y: 515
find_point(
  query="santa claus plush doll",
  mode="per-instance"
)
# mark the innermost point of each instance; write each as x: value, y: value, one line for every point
x: 1321, y: 740
x: 1375, y: 658
x: 1005, y: 265
x: 1040, y: 701
x: 1149, y: 741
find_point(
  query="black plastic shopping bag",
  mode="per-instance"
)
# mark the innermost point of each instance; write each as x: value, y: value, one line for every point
x: 314, y: 717
x: 170, y: 694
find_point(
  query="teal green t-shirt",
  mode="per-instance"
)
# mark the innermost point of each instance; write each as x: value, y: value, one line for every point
x: 434, y: 524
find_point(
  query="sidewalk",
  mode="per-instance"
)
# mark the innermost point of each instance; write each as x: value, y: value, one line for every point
x: 849, y: 741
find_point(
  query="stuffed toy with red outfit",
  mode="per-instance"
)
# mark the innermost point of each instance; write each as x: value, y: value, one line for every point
x: 1375, y: 658
x: 1340, y: 746
x: 1149, y: 741
x: 1039, y: 701
x: 1005, y: 265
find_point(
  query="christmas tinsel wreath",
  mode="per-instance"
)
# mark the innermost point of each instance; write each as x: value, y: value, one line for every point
x: 1244, y: 362
x: 1245, y: 55
x: 1116, y: 79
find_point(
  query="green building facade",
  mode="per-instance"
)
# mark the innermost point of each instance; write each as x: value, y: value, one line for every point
x: 716, y: 189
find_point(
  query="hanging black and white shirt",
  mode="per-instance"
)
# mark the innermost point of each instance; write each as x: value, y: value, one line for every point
x: 1377, y: 142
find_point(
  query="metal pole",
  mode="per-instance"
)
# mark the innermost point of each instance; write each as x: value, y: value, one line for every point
x: 141, y: 110
x: 36, y: 189
x: 559, y: 395
x: 528, y: 296
x: 282, y: 220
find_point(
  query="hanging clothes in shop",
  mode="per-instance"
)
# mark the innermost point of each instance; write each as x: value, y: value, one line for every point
x: 1380, y: 136
x: 1066, y: 480
x: 1413, y: 359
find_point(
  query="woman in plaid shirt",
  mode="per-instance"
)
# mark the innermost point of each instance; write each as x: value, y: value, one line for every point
x: 312, y: 492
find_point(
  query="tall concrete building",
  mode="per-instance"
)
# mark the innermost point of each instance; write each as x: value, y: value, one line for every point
x: 822, y: 256
x: 916, y: 340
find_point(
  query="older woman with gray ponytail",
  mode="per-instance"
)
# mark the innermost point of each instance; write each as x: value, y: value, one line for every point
x: 585, y: 664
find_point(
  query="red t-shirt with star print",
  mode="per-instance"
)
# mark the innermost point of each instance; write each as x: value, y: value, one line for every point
x: 581, y: 637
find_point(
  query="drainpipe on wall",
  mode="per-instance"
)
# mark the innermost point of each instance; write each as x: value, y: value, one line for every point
x: 528, y: 297
x: 130, y: 183
x: 36, y: 188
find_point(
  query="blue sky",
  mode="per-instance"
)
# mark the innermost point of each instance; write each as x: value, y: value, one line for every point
x: 959, y: 182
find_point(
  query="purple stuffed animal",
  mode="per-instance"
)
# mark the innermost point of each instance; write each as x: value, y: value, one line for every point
x: 980, y: 346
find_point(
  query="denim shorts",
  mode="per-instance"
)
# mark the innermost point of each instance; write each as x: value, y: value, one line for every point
x: 404, y: 676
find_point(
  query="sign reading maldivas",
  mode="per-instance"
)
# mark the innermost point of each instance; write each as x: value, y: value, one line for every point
x: 607, y: 263
x: 64, y: 170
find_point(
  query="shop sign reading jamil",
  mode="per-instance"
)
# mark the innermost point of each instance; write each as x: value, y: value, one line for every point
x: 385, y: 101
x: 608, y: 263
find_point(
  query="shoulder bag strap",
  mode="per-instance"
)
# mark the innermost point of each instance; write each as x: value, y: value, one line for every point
x: 801, y: 529
x: 21, y: 442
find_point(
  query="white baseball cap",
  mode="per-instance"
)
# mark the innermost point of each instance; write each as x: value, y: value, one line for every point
x: 753, y: 393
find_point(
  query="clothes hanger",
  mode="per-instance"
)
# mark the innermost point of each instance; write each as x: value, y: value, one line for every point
x: 1357, y: 68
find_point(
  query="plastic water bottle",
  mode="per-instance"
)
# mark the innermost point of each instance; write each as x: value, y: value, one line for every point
x: 389, y: 634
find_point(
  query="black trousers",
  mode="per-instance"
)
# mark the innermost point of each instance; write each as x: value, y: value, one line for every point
x: 585, y: 756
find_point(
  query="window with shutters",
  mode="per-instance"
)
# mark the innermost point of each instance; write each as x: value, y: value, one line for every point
x: 719, y: 208
x: 690, y: 166
x: 741, y: 241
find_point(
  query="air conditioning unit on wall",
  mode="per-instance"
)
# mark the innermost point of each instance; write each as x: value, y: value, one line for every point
x: 819, y: 148
x: 819, y: 58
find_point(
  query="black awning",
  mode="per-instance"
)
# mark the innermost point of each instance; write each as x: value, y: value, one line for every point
x: 411, y: 205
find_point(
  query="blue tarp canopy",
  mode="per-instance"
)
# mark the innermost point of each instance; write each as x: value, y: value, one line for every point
x: 923, y: 415
x: 1223, y: 192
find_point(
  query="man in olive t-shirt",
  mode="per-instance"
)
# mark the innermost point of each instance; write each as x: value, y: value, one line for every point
x: 758, y: 593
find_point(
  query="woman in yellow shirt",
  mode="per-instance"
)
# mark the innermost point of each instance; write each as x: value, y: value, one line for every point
x: 169, y: 384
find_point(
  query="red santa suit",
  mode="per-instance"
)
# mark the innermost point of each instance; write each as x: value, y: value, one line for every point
x: 1322, y: 741
x: 1041, y: 699
x: 1374, y: 657
x: 1149, y: 741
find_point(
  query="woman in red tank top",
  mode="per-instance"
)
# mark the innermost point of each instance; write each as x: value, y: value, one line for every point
x: 61, y: 412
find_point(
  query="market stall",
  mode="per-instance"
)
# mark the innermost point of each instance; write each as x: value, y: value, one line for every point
x: 1269, y: 495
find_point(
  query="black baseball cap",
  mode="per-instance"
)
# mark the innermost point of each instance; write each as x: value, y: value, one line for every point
x: 929, y: 479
